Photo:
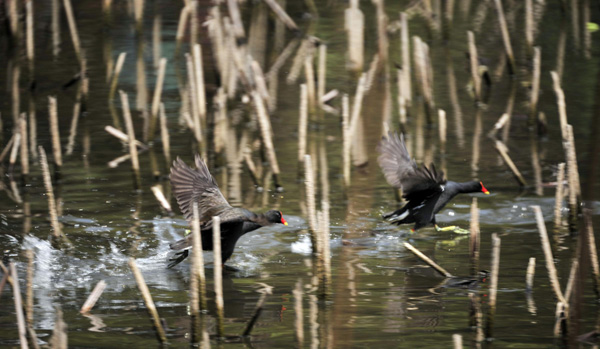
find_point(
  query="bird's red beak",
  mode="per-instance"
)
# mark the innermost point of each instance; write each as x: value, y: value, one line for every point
x: 283, y: 221
x: 485, y: 191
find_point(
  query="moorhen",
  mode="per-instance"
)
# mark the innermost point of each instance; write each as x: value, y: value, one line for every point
x: 199, y: 185
x: 425, y: 189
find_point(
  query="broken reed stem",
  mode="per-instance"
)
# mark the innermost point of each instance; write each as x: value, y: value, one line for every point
x: 309, y: 73
x: 457, y: 340
x: 427, y: 260
x: 529, y: 25
x: 405, y: 45
x: 56, y: 150
x: 164, y: 134
x: 495, y: 264
x: 571, y: 281
x: 139, y: 279
x: 24, y: 145
x: 442, y: 129
x: 158, y: 193
x: 530, y: 275
x: 115, y: 76
x: 56, y: 230
x: 160, y: 78
x: 131, y: 135
x: 282, y: 15
x: 93, y: 297
x: 552, y: 274
x: 29, y: 38
x: 298, y: 311
x: 474, y: 239
x: 354, y: 23
x: 18, y: 307
x: 73, y: 28
x: 572, y: 178
x: 505, y: 37
x: 535, y: 83
x: 474, y: 65
x: 303, y: 123
x: 14, y: 151
x: 309, y: 182
x: 589, y: 231
x: 346, y: 142
x: 499, y: 124
x: 123, y: 136
x: 258, y: 310
x: 502, y: 150
x: 562, y: 106
x: 267, y: 133
x: 558, y: 198
x: 199, y: 75
x: 29, y: 291
x: 183, y: 17
x: 218, y: 275
x: 322, y: 69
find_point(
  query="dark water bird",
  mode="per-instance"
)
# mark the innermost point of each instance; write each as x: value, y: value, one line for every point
x: 425, y: 188
x: 198, y: 185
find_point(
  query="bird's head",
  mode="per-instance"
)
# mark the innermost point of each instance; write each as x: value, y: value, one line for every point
x: 483, y: 190
x: 274, y: 216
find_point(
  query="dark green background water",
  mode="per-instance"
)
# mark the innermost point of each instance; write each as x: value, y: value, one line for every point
x: 382, y: 295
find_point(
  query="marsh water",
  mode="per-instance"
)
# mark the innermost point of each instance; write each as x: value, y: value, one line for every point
x: 381, y: 295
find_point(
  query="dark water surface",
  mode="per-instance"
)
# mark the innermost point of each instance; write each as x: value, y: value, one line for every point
x: 381, y: 294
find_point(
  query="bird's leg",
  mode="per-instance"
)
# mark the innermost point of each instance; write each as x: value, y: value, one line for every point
x: 453, y: 228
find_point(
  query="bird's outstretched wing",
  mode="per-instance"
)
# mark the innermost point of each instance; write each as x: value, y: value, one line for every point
x: 198, y: 185
x: 401, y: 171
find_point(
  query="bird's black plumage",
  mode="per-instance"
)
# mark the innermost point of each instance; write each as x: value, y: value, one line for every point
x: 425, y: 188
x: 198, y: 185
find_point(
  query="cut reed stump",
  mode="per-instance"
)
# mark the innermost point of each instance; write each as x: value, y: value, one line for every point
x: 93, y: 297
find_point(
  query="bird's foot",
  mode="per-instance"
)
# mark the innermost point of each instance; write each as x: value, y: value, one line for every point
x: 178, y: 258
x: 452, y: 228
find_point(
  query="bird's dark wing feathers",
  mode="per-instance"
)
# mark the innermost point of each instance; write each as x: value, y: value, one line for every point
x: 401, y: 171
x: 423, y: 212
x: 198, y: 184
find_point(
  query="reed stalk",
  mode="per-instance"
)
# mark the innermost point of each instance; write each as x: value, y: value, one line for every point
x: 138, y: 12
x: 164, y: 134
x: 442, y: 129
x: 303, y: 123
x: 156, y: 40
x: 56, y: 230
x: 123, y: 137
x: 309, y: 182
x: 194, y: 25
x: 183, y: 18
x: 135, y: 163
x: 198, y: 258
x: 13, y: 18
x: 306, y: 47
x: 321, y: 73
x: 199, y: 75
x: 282, y: 58
x: 474, y: 65
x: 299, y: 318
x: 139, y: 279
x: 30, y: 46
x: 29, y: 290
x: 572, y: 178
x: 354, y: 25
x: 535, y: 84
x: 160, y: 196
x: 74, y: 123
x: 267, y: 135
x: 197, y: 301
x: 503, y: 151
x: 73, y: 28
x: 562, y: 106
x: 552, y: 274
x: 382, y: 36
x: 529, y: 25
x: 571, y: 281
x: 56, y: 149
x: 282, y: 15
x: 458, y: 341
x: 93, y: 297
x: 24, y: 146
x: 156, y: 99
x: 197, y: 130
x: 589, y: 231
x: 18, y: 307
x: 495, y: 265
x: 114, y: 79
x: 14, y: 152
x: 309, y: 73
x: 558, y: 198
x: 428, y: 260
x: 325, y: 249
x: 405, y: 45
x: 505, y: 37
x: 236, y: 19
x: 218, y: 274
x: 401, y: 97
x: 346, y: 142
x: 530, y: 275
